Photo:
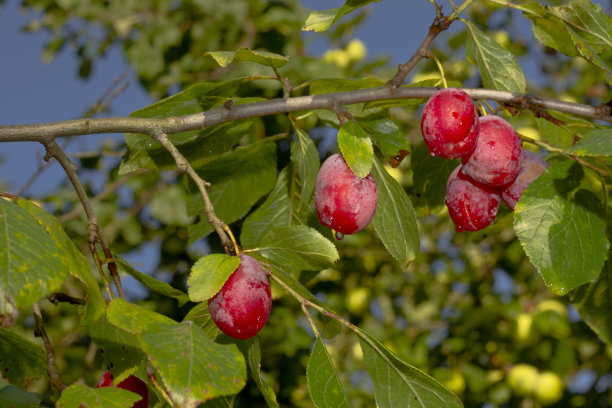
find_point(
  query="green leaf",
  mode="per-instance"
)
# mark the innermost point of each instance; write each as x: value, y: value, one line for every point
x: 395, y: 220
x: 238, y: 180
x: 192, y: 368
x: 224, y: 58
x: 397, y: 384
x: 553, y: 134
x: 33, y: 260
x: 274, y: 212
x: 133, y: 318
x: 331, y: 85
x: 595, y: 143
x: 549, y: 30
x: 198, y: 147
x: 498, y: 68
x: 387, y: 135
x: 300, y: 246
x: 21, y: 361
x: 13, y: 397
x: 153, y: 284
x: 170, y: 206
x: 106, y: 397
x: 321, y: 20
x: 323, y: 382
x: 561, y: 227
x: 306, y: 164
x: 292, y: 283
x: 356, y: 148
x: 200, y: 315
x: 209, y: 274
x: 594, y: 302
x: 430, y: 175
x: 252, y: 353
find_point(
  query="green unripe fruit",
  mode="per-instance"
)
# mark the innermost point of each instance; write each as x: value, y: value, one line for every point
x: 548, y: 388
x: 357, y: 300
x: 521, y: 379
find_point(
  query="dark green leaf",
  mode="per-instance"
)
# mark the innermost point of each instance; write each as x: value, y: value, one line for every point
x: 299, y: 246
x: 13, y: 397
x: 21, y: 361
x: 430, y: 175
x: 170, y: 206
x: 192, y: 368
x: 387, y: 135
x: 594, y: 302
x: 498, y: 68
x: 549, y: 30
x: 209, y: 274
x: 274, y: 212
x: 238, y: 179
x: 561, y: 227
x: 396, y: 384
x: 106, y: 397
x: 153, y: 284
x: 321, y: 20
x: 252, y: 354
x: 133, y: 318
x: 323, y: 382
x: 224, y: 58
x: 305, y: 159
x: 356, y: 148
x: 200, y: 315
x: 394, y: 220
x: 594, y: 143
x: 323, y: 86
x: 292, y: 283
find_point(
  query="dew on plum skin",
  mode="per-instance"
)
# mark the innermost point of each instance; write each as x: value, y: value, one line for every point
x: 339, y: 235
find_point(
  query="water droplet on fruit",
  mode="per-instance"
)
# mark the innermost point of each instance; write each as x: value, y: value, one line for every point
x: 432, y: 154
x: 339, y: 235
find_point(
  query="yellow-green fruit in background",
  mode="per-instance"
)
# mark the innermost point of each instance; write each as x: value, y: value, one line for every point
x: 524, y: 325
x: 522, y: 378
x: 357, y: 300
x: 356, y: 50
x: 451, y: 379
x: 548, y: 388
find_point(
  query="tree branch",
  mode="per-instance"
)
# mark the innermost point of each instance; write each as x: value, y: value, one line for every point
x: 47, y: 132
x: 54, y: 377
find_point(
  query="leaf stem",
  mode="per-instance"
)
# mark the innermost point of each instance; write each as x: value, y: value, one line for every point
x: 433, y: 56
x: 307, y: 313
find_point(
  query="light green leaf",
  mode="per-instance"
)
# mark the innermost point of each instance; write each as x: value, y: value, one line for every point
x: 356, y: 147
x: 34, y: 258
x: 200, y: 315
x: 300, y: 246
x: 238, y: 180
x: 274, y: 212
x: 595, y: 143
x: 209, y: 274
x: 133, y: 318
x: 192, y: 368
x: 395, y: 220
x: 13, y: 397
x: 21, y: 361
x: 331, y: 85
x: 594, y: 302
x: 153, y: 284
x: 430, y: 175
x: 396, y: 384
x: 321, y: 20
x: 224, y: 58
x: 306, y: 164
x: 549, y: 30
x: 106, y: 397
x: 323, y: 382
x: 498, y: 68
x: 561, y: 227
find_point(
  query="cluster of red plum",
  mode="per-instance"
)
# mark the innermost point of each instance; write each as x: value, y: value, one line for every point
x: 493, y: 166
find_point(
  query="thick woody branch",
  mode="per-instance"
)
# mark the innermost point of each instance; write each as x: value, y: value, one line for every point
x: 47, y: 132
x: 52, y: 372
x: 183, y: 165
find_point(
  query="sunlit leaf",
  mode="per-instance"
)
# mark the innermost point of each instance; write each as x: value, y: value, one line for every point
x: 595, y: 143
x: 321, y: 20
x: 106, y: 397
x: 208, y: 275
x: 224, y: 58
x: 356, y: 147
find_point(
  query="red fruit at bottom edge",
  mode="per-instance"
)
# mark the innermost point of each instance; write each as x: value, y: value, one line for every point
x: 471, y: 206
x: 242, y: 307
x: 344, y: 201
x: 132, y: 383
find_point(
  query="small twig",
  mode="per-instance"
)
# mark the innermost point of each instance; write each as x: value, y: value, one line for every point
x: 283, y: 81
x: 9, y: 195
x: 183, y: 165
x: 58, y: 297
x: 310, y: 321
x: 94, y: 229
x: 40, y: 331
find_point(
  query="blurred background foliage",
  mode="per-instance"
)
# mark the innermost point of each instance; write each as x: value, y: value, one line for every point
x: 469, y: 310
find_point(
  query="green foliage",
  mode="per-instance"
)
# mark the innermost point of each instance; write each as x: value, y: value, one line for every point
x: 463, y: 307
